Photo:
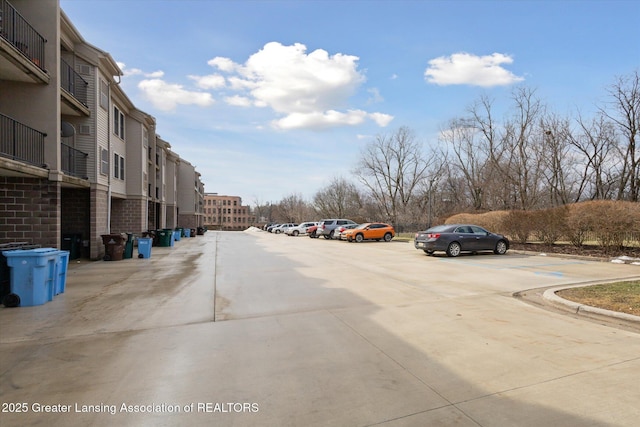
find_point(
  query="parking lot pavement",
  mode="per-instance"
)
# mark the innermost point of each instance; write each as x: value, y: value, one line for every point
x: 252, y: 329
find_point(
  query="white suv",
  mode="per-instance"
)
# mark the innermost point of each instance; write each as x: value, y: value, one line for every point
x: 300, y: 229
x: 282, y: 228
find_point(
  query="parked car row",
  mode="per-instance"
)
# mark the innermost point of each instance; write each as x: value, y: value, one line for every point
x: 337, y: 229
x: 452, y: 239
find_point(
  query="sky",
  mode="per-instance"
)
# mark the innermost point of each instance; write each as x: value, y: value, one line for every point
x: 276, y: 98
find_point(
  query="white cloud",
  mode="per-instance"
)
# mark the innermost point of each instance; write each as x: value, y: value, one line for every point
x: 138, y: 72
x: 465, y: 68
x: 166, y: 96
x: 238, y: 101
x: 320, y: 119
x: 212, y: 81
x: 307, y: 89
x: 330, y: 118
x: 223, y: 64
x: 381, y: 119
x: 375, y: 96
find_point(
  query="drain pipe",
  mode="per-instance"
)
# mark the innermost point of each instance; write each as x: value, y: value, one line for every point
x: 110, y: 159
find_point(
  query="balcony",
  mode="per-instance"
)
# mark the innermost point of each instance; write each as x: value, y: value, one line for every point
x: 75, y: 91
x: 74, y: 162
x: 20, y: 142
x: 22, y: 46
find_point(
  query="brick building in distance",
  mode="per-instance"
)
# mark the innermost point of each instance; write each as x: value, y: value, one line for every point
x: 226, y: 213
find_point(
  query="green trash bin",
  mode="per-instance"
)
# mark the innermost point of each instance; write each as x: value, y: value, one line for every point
x: 164, y: 238
x: 181, y: 230
x: 128, y: 247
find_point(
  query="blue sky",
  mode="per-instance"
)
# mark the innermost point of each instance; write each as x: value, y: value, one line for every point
x: 273, y: 98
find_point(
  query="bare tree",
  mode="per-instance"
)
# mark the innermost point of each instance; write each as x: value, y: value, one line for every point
x: 625, y: 104
x: 594, y: 143
x: 293, y: 208
x: 339, y: 199
x: 521, y: 164
x: 470, y: 157
x: 555, y: 153
x: 262, y: 211
x: 391, y: 167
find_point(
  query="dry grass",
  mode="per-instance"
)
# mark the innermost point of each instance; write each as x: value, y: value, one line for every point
x: 623, y: 297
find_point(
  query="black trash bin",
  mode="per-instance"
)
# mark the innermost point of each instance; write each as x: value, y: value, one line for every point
x: 72, y: 242
x: 114, y: 246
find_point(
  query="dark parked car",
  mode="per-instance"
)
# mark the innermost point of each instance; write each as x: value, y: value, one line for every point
x: 457, y: 238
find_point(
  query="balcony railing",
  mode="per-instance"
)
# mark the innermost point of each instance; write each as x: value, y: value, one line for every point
x: 74, y: 162
x: 20, y: 142
x: 73, y: 83
x: 17, y: 31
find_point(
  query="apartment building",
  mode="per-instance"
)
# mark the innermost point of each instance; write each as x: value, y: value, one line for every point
x: 77, y: 158
x: 226, y: 213
x: 190, y: 196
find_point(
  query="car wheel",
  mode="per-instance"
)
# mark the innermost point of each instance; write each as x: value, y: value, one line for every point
x: 331, y: 234
x: 326, y: 236
x: 388, y: 237
x: 501, y: 248
x: 454, y: 249
x: 295, y: 232
x: 428, y: 252
x: 359, y: 238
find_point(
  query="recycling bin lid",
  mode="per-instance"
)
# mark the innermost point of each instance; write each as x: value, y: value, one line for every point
x: 28, y: 252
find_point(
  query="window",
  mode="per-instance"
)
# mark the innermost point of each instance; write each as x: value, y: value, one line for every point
x: 118, y: 123
x: 104, y: 95
x: 104, y: 162
x: 118, y: 166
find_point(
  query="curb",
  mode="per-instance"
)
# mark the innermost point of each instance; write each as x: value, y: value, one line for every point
x: 550, y: 296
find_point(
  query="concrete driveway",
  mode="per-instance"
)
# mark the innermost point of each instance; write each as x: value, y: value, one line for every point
x: 255, y: 329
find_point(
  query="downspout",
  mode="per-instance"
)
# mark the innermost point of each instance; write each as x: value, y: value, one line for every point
x: 110, y: 159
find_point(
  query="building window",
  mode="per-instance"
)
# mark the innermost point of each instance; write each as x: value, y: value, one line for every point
x: 104, y: 95
x: 118, y: 123
x: 118, y: 166
x: 104, y: 162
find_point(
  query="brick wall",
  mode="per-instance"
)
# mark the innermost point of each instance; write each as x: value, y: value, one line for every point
x: 98, y: 221
x: 187, y: 221
x: 128, y: 216
x: 30, y: 211
x: 76, y: 212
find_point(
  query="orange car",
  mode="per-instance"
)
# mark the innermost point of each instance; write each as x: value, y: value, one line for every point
x: 370, y: 231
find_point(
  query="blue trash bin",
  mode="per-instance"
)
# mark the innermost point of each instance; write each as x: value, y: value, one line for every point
x: 177, y: 234
x: 61, y: 273
x: 173, y: 239
x: 33, y: 275
x: 144, y: 247
x: 187, y: 232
